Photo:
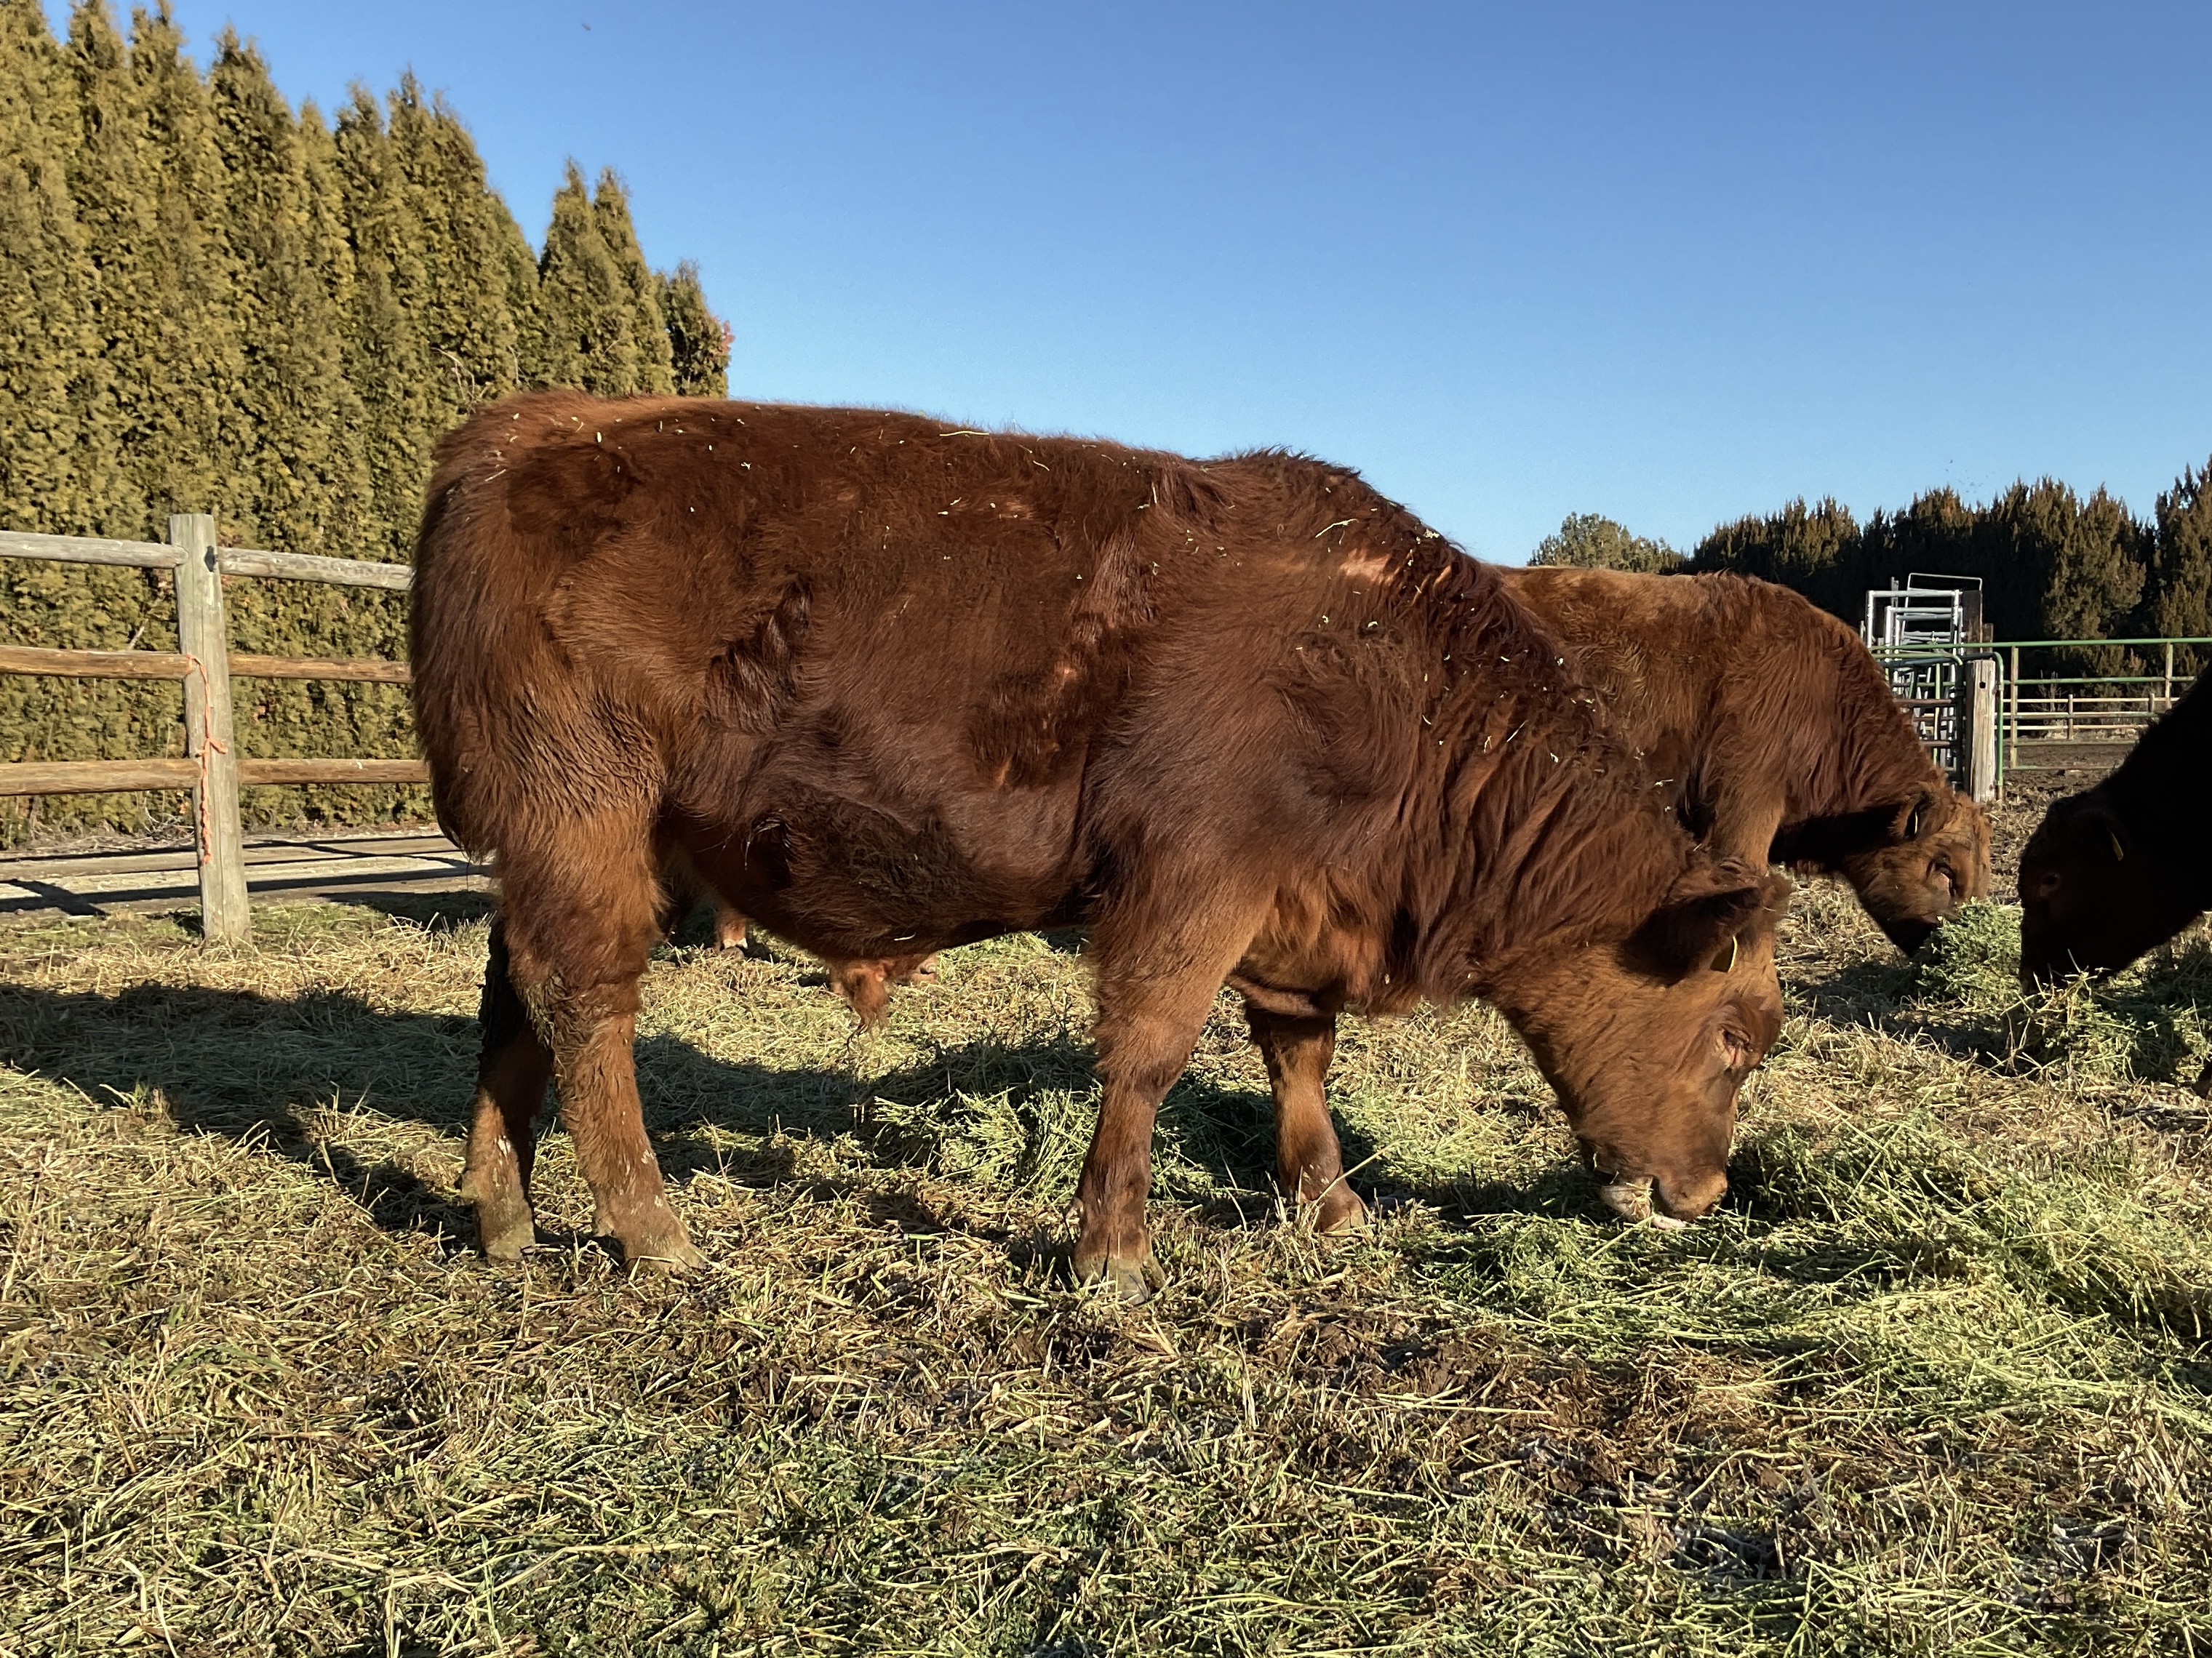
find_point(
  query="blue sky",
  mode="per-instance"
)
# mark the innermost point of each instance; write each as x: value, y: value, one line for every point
x: 1673, y: 263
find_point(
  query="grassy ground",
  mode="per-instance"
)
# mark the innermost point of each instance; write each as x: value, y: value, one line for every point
x: 1938, y: 1379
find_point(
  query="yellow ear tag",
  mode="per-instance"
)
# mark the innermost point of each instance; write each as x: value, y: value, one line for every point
x: 1725, y: 961
x: 2119, y: 853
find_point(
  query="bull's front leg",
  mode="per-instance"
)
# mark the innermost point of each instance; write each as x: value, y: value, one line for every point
x: 1155, y: 990
x: 1309, y: 1162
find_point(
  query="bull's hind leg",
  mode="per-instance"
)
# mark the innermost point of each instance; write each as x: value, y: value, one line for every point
x: 1308, y: 1164
x: 580, y: 925
x: 511, y: 1078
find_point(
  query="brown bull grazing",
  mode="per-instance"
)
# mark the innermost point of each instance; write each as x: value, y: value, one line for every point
x: 889, y: 688
x: 1777, y: 732
x: 2119, y: 869
x: 1773, y: 724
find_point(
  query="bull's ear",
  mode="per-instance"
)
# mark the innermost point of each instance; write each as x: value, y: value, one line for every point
x: 1696, y: 926
x: 2099, y: 834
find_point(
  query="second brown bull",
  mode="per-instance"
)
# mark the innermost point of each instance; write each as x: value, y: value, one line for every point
x: 1775, y: 732
x: 1771, y: 727
x: 890, y: 688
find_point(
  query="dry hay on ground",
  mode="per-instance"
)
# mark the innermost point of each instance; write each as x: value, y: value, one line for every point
x: 1935, y: 1379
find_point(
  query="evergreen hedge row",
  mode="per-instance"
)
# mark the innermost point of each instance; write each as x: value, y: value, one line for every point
x: 2053, y: 565
x: 210, y: 303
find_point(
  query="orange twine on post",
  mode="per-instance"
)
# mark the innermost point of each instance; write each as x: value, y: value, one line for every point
x: 209, y: 745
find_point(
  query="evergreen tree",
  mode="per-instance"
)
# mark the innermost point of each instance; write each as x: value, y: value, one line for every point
x: 588, y: 320
x: 1590, y: 541
x: 182, y: 426
x: 2052, y: 565
x: 308, y: 484
x: 403, y: 397
x: 2179, y: 600
x: 610, y: 208
x: 58, y: 454
x: 467, y: 320
x: 58, y: 445
x: 210, y: 305
x: 518, y: 271
x: 2085, y: 559
x: 330, y: 239
x: 112, y: 177
x: 699, y: 340
x: 1815, y: 549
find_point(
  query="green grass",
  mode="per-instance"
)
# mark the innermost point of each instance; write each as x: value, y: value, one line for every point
x: 1938, y: 1377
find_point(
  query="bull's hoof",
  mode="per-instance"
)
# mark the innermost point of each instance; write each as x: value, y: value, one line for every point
x: 671, y: 1252
x: 503, y: 1238
x: 1338, y: 1212
x: 651, y: 1236
x: 505, y: 1227
x: 1135, y: 1279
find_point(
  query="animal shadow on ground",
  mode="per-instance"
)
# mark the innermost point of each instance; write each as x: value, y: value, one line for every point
x: 2139, y: 1032
x: 290, y: 1074
x: 438, y: 911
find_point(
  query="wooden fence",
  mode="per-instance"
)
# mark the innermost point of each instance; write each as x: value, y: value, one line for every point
x: 204, y: 664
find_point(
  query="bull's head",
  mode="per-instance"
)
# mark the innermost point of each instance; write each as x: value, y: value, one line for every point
x: 2092, y: 898
x: 1647, y: 1042
x: 1934, y: 856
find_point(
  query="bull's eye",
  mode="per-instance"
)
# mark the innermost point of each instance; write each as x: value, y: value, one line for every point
x: 1735, y: 1051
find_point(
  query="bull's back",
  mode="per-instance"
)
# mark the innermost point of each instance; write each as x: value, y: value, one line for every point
x: 894, y: 645
x: 1652, y: 648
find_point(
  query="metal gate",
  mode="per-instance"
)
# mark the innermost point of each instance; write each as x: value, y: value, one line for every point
x: 1926, y: 686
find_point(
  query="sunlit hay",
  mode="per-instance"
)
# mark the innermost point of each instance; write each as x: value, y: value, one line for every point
x: 1935, y: 1379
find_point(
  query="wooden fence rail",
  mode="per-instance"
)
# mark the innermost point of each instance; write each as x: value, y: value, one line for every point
x: 204, y: 663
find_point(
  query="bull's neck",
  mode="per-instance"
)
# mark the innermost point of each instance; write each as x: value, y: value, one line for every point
x: 1551, y: 831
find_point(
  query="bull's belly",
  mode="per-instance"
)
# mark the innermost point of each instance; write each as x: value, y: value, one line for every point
x: 854, y: 878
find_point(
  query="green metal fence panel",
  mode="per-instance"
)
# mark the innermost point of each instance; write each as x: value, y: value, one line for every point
x: 2046, y: 721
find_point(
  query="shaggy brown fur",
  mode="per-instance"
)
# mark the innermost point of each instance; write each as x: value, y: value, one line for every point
x: 889, y: 688
x: 2119, y: 869
x: 1777, y: 729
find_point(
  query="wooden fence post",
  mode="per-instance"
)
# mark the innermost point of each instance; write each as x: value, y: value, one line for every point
x: 1976, y: 728
x: 204, y: 637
